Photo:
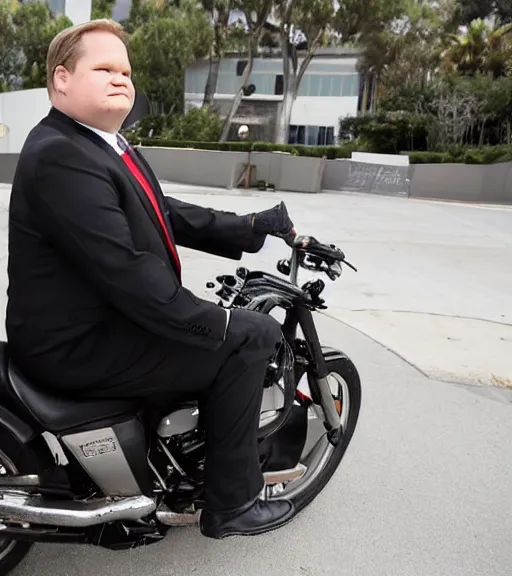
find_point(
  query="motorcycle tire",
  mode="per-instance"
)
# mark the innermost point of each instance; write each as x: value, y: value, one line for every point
x: 342, y: 366
x: 14, y: 459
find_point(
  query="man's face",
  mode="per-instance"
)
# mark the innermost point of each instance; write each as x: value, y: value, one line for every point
x: 99, y: 92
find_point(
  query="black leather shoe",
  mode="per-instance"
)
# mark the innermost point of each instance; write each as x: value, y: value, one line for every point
x: 259, y: 517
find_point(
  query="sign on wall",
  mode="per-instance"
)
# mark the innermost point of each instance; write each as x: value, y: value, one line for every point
x: 379, y: 174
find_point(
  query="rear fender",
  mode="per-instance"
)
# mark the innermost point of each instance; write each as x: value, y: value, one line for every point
x: 18, y: 428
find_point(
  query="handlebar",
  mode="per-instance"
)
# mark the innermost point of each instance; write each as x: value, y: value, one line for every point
x: 330, y: 254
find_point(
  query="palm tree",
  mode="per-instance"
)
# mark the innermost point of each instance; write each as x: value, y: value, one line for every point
x: 481, y: 49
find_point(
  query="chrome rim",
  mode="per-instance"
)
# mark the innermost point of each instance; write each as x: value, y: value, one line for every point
x: 317, y: 457
x: 7, y: 468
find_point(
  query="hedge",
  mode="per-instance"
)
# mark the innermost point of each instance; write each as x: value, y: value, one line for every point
x: 486, y: 155
x: 330, y: 152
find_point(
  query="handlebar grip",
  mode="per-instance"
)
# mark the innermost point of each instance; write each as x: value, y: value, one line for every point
x: 312, y: 246
x: 325, y: 251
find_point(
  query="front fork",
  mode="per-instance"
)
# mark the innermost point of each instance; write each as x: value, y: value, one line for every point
x: 300, y: 315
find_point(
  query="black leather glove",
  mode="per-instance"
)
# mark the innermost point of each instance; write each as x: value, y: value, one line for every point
x: 275, y: 222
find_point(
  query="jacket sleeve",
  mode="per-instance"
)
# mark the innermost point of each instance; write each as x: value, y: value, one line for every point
x: 76, y: 207
x: 213, y: 231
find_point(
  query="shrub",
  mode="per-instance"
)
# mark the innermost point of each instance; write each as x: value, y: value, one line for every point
x: 489, y: 155
x: 387, y: 132
x: 330, y: 152
x: 196, y: 124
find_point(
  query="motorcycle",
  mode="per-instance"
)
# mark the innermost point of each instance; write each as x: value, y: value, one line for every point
x: 113, y: 474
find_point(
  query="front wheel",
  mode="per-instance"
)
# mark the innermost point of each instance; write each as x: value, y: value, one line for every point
x: 320, y: 458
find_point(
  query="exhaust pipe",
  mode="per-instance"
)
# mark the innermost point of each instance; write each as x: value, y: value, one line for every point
x: 21, y: 508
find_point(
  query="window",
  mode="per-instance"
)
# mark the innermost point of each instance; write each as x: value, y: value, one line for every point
x: 351, y: 85
x: 240, y: 67
x: 301, y: 135
x: 329, y: 138
x: 336, y: 85
x: 312, y: 135
x: 292, y: 134
x: 321, y: 136
x: 325, y: 85
x: 279, y: 87
x: 314, y: 85
x: 304, y: 86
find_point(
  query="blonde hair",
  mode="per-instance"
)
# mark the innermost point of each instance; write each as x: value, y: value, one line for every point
x: 66, y: 48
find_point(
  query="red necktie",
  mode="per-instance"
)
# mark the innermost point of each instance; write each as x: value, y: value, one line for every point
x: 134, y: 169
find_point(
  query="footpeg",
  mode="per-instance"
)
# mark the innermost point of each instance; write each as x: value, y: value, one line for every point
x: 280, y: 476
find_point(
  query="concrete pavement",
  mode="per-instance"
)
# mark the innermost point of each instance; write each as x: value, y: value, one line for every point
x: 424, y: 489
x: 434, y: 280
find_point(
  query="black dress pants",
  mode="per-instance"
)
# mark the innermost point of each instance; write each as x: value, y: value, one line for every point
x: 229, y: 382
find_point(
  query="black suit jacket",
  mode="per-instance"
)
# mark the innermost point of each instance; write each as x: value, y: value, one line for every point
x: 90, y: 273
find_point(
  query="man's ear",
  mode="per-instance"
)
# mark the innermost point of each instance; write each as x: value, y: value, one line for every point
x: 60, y: 79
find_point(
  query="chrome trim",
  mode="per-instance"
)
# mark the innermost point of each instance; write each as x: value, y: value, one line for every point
x: 160, y: 480
x: 28, y: 481
x: 179, y: 422
x: 278, y: 476
x: 173, y: 461
x: 316, y: 461
x: 169, y: 518
x: 72, y: 514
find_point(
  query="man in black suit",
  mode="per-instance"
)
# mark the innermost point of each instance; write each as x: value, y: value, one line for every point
x: 96, y: 307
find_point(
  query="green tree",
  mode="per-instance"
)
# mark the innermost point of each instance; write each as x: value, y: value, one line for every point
x: 102, y: 8
x: 313, y: 23
x: 219, y: 11
x: 474, y: 9
x: 301, y: 22
x: 11, y: 58
x: 166, y: 41
x: 256, y: 14
x: 35, y: 28
x: 481, y: 49
x: 143, y: 11
x: 405, y: 54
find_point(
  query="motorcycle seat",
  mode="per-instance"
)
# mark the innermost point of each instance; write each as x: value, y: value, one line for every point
x: 58, y: 414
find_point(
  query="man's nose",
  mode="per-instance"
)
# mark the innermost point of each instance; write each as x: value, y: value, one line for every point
x: 119, y: 79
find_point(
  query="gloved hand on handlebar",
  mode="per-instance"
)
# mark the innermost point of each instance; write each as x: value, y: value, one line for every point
x: 276, y: 222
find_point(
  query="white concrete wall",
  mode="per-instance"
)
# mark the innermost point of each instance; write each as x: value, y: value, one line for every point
x: 20, y: 111
x: 322, y: 111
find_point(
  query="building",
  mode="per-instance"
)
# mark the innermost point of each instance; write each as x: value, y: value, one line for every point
x: 78, y: 11
x: 330, y: 90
